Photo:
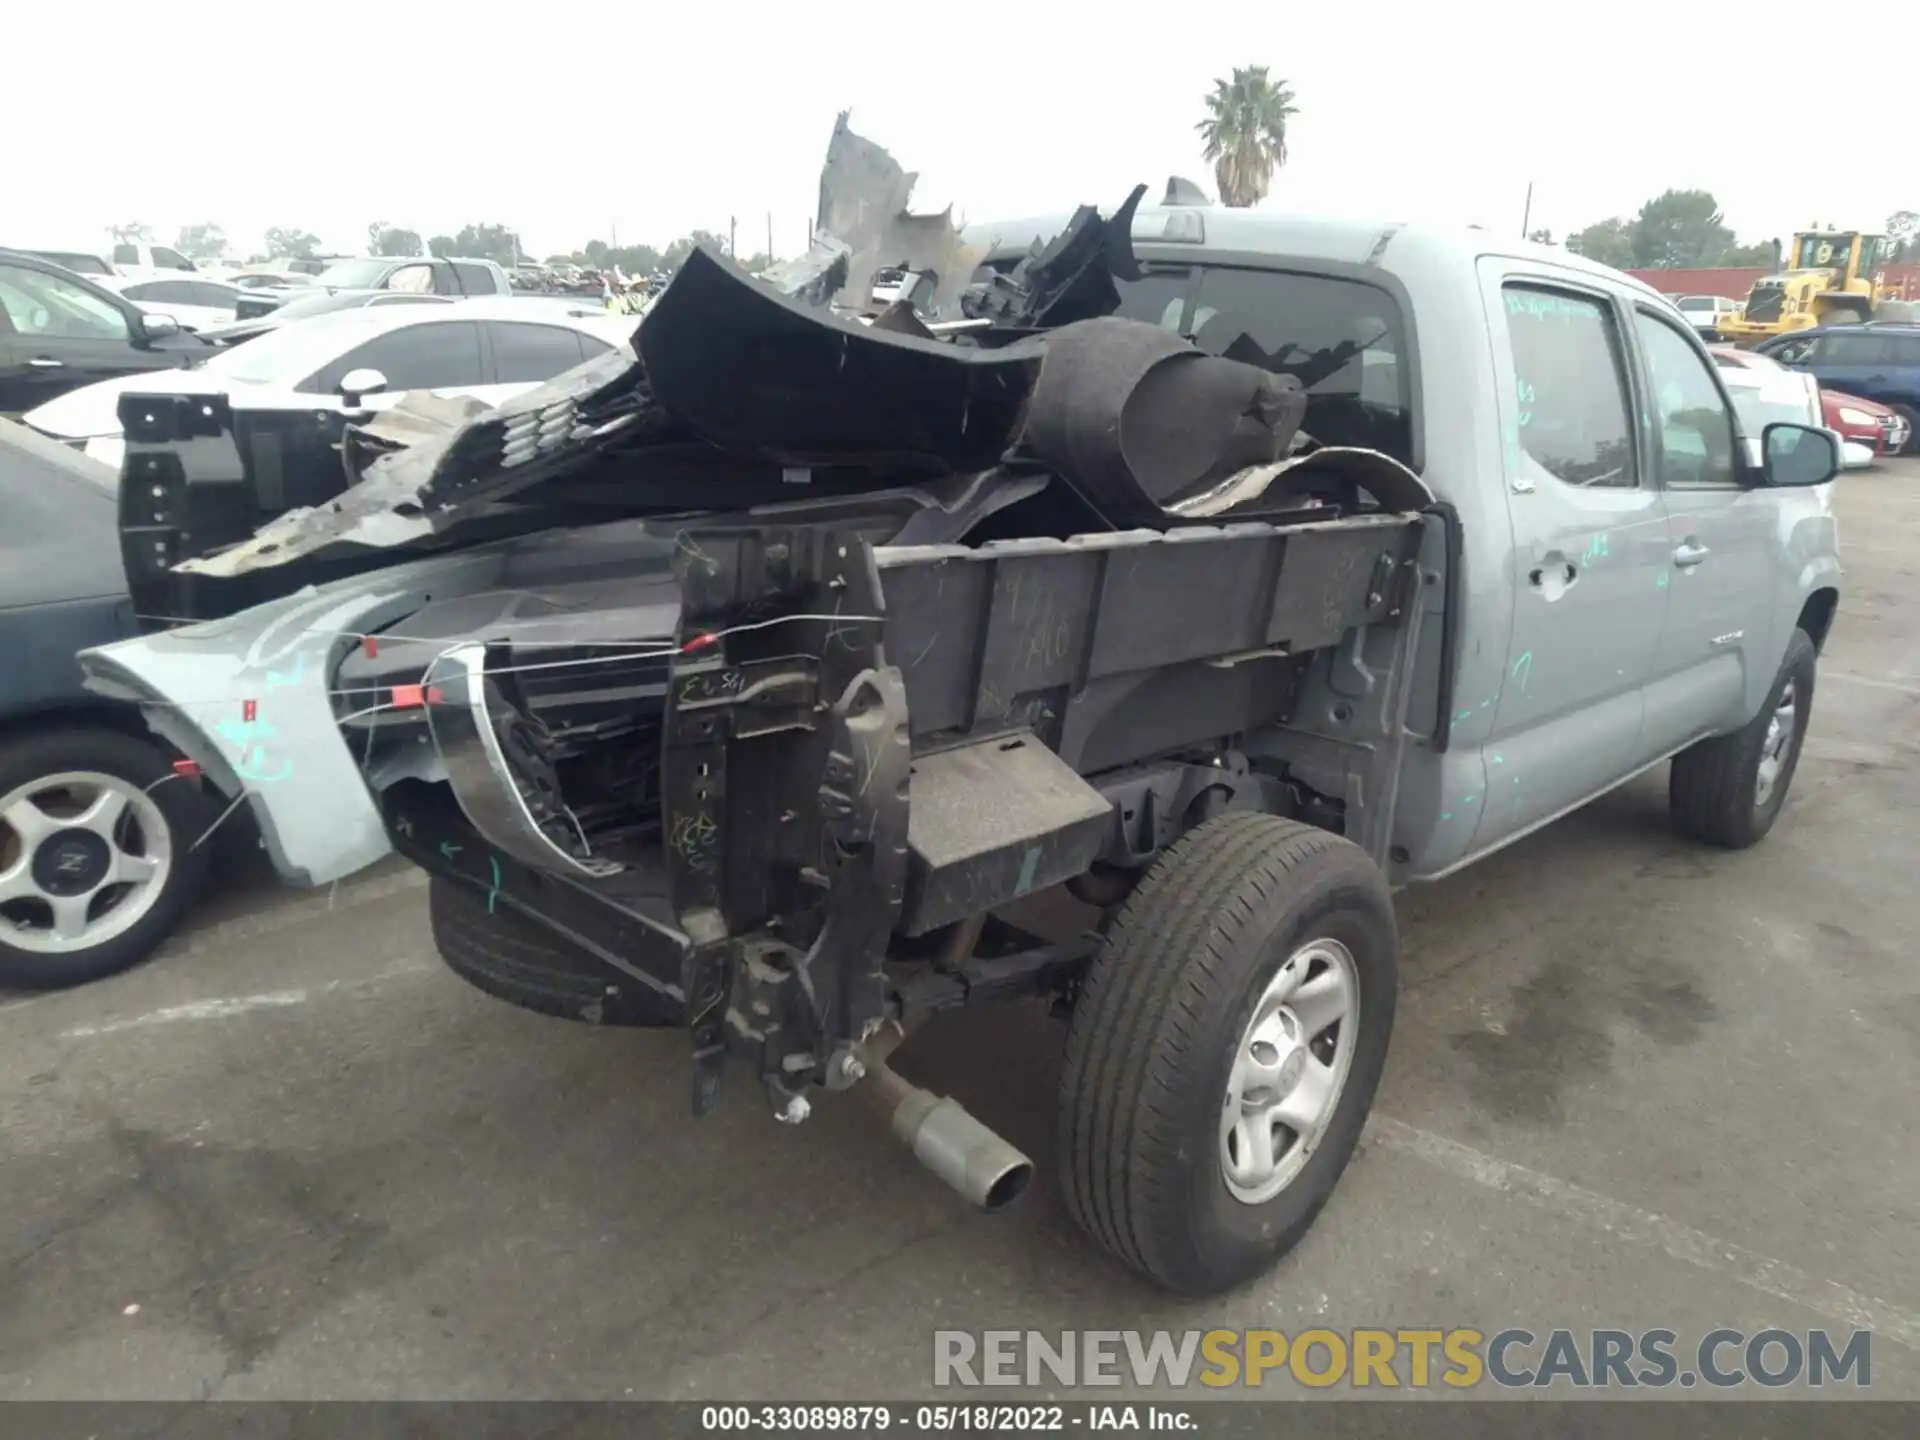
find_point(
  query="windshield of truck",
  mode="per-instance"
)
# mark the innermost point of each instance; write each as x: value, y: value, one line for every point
x: 1343, y: 340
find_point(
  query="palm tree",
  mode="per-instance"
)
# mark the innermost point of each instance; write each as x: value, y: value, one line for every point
x: 1246, y: 133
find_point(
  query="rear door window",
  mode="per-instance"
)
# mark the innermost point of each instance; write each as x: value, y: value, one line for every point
x: 535, y: 353
x: 1570, y: 375
x: 1344, y: 341
x: 475, y: 279
x: 1906, y: 350
x: 437, y: 355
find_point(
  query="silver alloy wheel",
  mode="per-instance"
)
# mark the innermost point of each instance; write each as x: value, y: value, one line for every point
x: 1289, y: 1070
x: 1777, y: 747
x: 83, y: 856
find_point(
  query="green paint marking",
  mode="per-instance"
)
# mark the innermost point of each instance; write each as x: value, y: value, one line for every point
x: 1029, y: 867
x: 1523, y: 670
x: 1663, y: 580
x: 1499, y: 759
x: 1468, y: 799
x: 449, y: 849
x: 494, y: 894
x: 1446, y: 814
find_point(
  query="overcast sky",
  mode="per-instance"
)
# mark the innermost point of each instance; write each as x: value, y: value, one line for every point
x: 567, y: 121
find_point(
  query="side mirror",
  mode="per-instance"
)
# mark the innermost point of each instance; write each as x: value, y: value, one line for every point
x: 355, y: 385
x: 157, y: 327
x: 1797, y: 455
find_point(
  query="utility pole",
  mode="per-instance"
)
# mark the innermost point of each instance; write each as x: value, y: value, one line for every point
x: 732, y: 249
x: 1526, y: 216
x: 769, y: 237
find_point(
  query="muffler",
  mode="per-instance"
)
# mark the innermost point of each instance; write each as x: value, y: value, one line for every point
x: 946, y: 1139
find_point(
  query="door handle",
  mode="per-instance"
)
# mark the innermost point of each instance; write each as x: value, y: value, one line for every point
x: 1689, y: 555
x: 47, y: 362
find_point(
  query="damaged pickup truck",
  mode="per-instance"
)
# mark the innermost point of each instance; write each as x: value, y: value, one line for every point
x: 1205, y: 577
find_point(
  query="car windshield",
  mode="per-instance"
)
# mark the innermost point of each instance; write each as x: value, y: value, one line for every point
x: 355, y: 274
x: 1696, y: 302
x: 290, y: 354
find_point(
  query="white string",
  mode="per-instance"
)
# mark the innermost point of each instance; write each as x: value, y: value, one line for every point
x: 707, y: 641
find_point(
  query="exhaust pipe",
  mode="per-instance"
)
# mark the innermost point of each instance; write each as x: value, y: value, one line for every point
x: 947, y: 1140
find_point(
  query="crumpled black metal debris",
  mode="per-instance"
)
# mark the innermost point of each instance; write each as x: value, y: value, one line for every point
x: 1137, y: 420
x: 1070, y: 277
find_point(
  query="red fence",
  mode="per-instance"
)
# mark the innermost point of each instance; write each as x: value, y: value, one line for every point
x: 1735, y: 283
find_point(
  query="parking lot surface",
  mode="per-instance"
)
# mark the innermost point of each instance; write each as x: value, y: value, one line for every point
x: 1635, y: 1084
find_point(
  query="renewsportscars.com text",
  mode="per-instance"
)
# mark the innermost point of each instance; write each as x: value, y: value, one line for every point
x: 1460, y: 1358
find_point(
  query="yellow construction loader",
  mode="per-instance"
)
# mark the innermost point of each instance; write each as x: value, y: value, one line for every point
x: 1832, y: 277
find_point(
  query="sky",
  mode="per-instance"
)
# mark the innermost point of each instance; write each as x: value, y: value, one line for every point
x: 643, y: 123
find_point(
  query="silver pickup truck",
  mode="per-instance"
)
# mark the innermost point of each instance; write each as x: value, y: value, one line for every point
x: 790, y: 770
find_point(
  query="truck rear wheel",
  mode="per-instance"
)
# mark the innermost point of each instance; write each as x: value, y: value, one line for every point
x: 503, y: 953
x: 1225, y: 1049
x: 1729, y: 790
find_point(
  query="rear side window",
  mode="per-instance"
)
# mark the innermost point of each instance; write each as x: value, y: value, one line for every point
x: 125, y: 255
x: 170, y: 259
x: 1842, y: 348
x: 475, y: 279
x: 1344, y: 341
x: 438, y: 355
x: 535, y: 353
x: 1570, y: 387
x: 1906, y: 349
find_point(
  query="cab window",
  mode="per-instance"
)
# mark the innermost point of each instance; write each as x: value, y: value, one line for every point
x: 1570, y: 387
x: 1344, y: 341
x: 1693, y: 426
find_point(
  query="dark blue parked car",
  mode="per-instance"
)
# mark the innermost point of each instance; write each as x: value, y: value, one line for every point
x: 98, y: 831
x: 1880, y: 360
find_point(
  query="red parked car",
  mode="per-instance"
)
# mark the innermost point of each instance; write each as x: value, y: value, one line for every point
x: 1860, y: 421
x: 1865, y: 422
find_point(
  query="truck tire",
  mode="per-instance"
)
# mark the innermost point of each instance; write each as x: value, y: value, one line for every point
x: 1729, y: 790
x: 513, y: 959
x: 98, y: 856
x: 1197, y: 994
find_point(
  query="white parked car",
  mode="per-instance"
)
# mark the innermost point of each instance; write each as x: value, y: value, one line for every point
x: 1764, y: 391
x: 489, y: 349
x: 1705, y: 312
x: 191, y: 301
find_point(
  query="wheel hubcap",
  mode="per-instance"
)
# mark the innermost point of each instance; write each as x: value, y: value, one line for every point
x: 83, y: 856
x: 1778, y: 745
x: 1289, y: 1070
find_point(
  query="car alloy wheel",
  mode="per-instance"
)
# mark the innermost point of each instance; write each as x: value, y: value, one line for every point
x: 83, y: 857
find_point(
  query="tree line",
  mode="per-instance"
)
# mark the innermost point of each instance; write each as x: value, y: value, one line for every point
x: 488, y: 241
x: 1684, y: 230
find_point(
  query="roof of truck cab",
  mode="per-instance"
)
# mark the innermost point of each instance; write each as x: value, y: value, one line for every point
x: 1282, y: 235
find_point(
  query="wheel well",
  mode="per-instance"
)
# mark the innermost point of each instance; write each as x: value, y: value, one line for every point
x: 103, y: 714
x: 1816, y: 616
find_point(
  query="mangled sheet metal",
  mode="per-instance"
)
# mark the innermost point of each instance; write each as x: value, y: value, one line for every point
x: 863, y: 225
x: 736, y: 388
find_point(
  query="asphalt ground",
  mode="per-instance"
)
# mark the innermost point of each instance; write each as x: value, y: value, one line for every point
x: 1634, y: 1084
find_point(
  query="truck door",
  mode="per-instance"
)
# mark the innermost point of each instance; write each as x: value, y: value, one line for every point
x: 1588, y: 556
x: 1719, y: 617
